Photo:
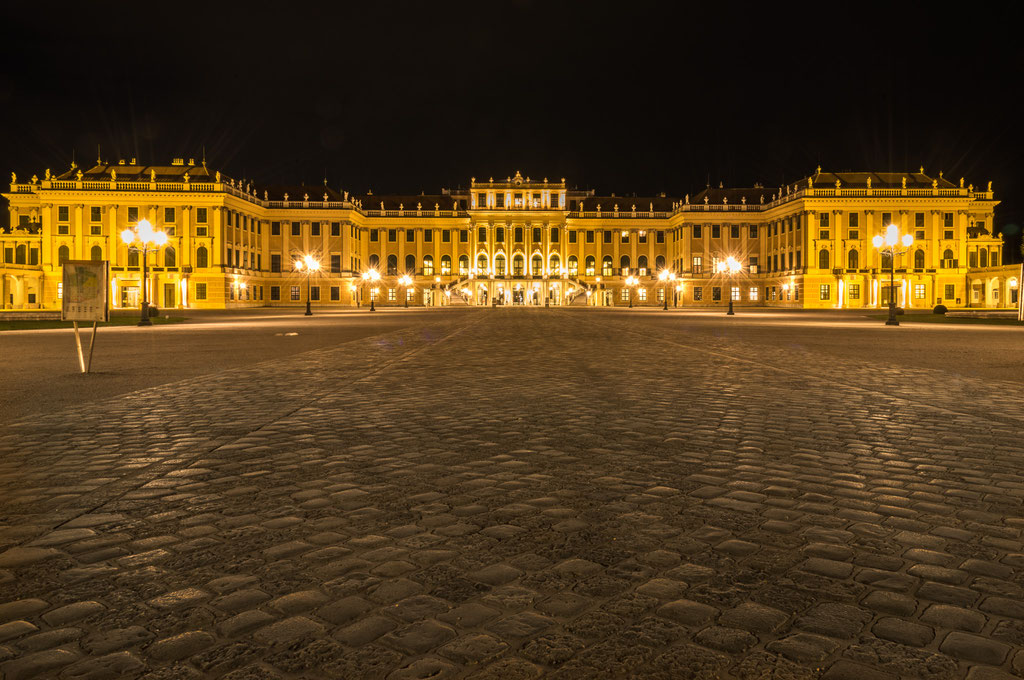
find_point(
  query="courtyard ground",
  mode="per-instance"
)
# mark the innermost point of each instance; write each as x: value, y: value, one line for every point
x: 514, y: 493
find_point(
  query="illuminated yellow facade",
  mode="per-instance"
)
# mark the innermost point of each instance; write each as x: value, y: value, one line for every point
x: 234, y: 243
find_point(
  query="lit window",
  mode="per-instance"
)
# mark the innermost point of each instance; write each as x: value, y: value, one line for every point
x: 642, y: 294
x: 698, y: 293
x: 825, y: 292
x: 854, y: 291
x: 392, y: 296
x: 735, y: 293
x: 753, y: 293
x: 295, y: 292
x: 919, y: 291
x: 625, y: 294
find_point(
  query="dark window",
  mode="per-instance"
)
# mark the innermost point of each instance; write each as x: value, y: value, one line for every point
x: 823, y: 259
x: 590, y: 236
x: 315, y: 228
x: 63, y: 254
x: 428, y: 235
x: 170, y: 260
x: 96, y: 213
x: 296, y: 229
x: 410, y: 235
x: 392, y: 265
x: 335, y: 228
x: 500, y: 200
x: 335, y: 293
x: 201, y: 215
x: 919, y: 259
x: 200, y: 291
x: 572, y: 236
x: 133, y: 215
x: 519, y: 235
x: 446, y: 236
x: 374, y: 236
x: 734, y: 231
x: 854, y: 220
x: 824, y: 221
x: 463, y: 235
x: 481, y: 234
x: 698, y: 293
x: 275, y: 228
x: 168, y: 214
x: 410, y: 264
x: 275, y: 262
x: 314, y: 293
x: 697, y: 231
x: 753, y: 231
x: 607, y: 236
x: 96, y: 253
x: 499, y: 234
x: 716, y: 293
x: 275, y: 292
x: 554, y: 234
x: 919, y: 220
x: 335, y: 264
x: 886, y: 220
x: 947, y: 220
x: 133, y: 258
x: 659, y: 236
x: 481, y: 200
x: 536, y: 234
x: 716, y: 231
x: 852, y: 260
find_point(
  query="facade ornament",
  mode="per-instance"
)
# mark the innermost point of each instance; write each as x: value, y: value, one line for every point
x: 990, y: 185
x: 869, y: 182
x: 78, y: 175
x: 152, y: 175
x: 286, y: 197
x: 651, y: 207
x: 419, y: 205
x: 47, y: 174
x: 217, y: 177
x: 305, y: 197
x: 743, y: 200
x: 437, y: 206
x: 14, y: 178
x: 810, y: 182
x: 325, y: 197
x: 401, y: 206
x: 725, y: 200
x: 346, y: 195
x: 935, y: 184
x: 961, y: 182
x: 455, y: 206
x: 35, y: 179
x: 687, y: 199
x: 113, y: 175
x: 971, y: 188
x: 819, y: 170
x: 705, y: 200
x: 838, y: 184
x: 922, y: 169
x: 773, y: 197
x: 186, y: 177
x: 266, y: 195
x: 382, y: 205
x: 904, y: 182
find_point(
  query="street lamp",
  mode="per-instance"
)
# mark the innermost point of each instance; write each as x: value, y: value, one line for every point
x: 887, y: 244
x: 665, y: 276
x: 310, y: 264
x: 371, y: 276
x: 630, y: 282
x: 406, y: 281
x: 731, y: 266
x: 143, y: 238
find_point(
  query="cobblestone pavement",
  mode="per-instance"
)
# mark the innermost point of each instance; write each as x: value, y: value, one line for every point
x: 515, y: 494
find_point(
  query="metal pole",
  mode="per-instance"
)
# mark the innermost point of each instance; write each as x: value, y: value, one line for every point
x: 665, y: 307
x: 144, y: 321
x: 892, y: 289
x: 309, y: 312
x: 1020, y: 294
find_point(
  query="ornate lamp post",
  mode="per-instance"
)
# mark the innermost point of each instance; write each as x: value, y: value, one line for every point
x: 630, y: 282
x: 887, y: 244
x: 310, y: 264
x: 143, y: 238
x: 731, y: 266
x: 666, y: 276
x: 371, y: 276
x: 406, y: 282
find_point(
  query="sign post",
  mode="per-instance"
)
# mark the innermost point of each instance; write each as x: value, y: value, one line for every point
x: 85, y: 298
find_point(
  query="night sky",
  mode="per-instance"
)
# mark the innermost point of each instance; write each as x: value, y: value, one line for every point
x: 410, y: 97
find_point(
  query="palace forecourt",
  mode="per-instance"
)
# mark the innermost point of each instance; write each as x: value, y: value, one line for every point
x: 523, y: 493
x: 234, y: 242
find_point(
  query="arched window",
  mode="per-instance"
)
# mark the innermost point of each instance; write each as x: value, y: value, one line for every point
x: 624, y: 265
x: 428, y: 265
x: 517, y: 265
x: 823, y: 259
x: 202, y: 257
x: 410, y: 264
x: 982, y: 258
x: 918, y: 259
x: 392, y: 265
x: 133, y: 258
x: 374, y: 261
x: 499, y: 265
x: 553, y: 264
x: 947, y: 254
x: 20, y: 254
x: 659, y: 262
x: 590, y: 265
x: 574, y: 266
x: 63, y: 254
x: 481, y: 263
x: 606, y: 265
x: 641, y: 265
x: 446, y: 265
x: 169, y: 257
x: 96, y: 253
x: 536, y: 265
x: 463, y: 265
x: 852, y: 260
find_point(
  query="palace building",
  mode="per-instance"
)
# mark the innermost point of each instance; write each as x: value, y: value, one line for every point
x: 235, y: 243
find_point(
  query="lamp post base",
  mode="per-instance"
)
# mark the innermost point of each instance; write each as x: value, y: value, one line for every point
x: 892, y: 322
x: 730, y: 312
x: 144, y: 320
x: 309, y: 311
x: 371, y: 306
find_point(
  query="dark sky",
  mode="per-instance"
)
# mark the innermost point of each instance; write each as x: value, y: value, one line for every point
x: 632, y: 97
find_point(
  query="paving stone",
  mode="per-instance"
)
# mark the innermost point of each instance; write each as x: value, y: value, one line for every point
x: 848, y: 670
x: 288, y: 630
x: 754, y: 617
x: 430, y: 667
x: 902, y: 631
x: 688, y: 612
x: 50, y: 639
x: 804, y: 647
x: 835, y: 620
x: 473, y: 649
x: 15, y: 629
x: 20, y: 609
x: 974, y: 648
x: 419, y: 637
x: 496, y: 575
x: 245, y: 622
x: 107, y: 667
x: 469, y: 615
x: 107, y: 641
x: 38, y: 664
x: 364, y: 630
x: 890, y: 603
x: 180, y: 646
x: 957, y: 618
x: 520, y: 625
x: 72, y: 612
x: 732, y: 640
x: 23, y: 557
x: 296, y: 603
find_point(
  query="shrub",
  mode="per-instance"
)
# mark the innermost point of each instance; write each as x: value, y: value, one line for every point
x: 940, y: 309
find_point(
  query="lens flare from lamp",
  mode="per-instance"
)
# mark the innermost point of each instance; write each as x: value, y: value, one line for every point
x: 127, y: 235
